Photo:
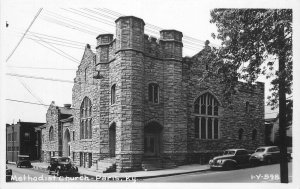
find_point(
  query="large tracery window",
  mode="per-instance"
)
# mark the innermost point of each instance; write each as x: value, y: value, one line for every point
x: 86, y: 119
x: 206, y: 111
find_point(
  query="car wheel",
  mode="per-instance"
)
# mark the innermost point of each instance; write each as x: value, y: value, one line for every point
x: 58, y: 173
x: 227, y: 166
x: 8, y: 178
x: 269, y: 161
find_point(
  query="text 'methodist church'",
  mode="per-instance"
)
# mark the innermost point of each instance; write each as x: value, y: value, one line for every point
x: 137, y: 102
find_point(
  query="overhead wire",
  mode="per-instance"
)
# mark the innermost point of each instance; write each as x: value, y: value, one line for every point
x: 187, y: 44
x: 192, y: 39
x: 65, y: 54
x: 41, y: 68
x: 35, y: 17
x: 30, y: 91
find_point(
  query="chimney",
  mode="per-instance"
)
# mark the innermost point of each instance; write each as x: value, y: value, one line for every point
x: 67, y: 106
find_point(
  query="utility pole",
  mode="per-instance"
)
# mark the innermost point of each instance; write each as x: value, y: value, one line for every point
x: 282, y: 107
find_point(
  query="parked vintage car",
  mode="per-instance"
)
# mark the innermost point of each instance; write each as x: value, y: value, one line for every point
x: 231, y: 159
x: 8, y: 174
x: 23, y: 161
x: 266, y: 155
x: 62, y: 166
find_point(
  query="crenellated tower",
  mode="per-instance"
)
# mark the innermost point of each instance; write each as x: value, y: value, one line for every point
x: 128, y: 78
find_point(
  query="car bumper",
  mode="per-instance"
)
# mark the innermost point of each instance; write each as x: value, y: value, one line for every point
x: 256, y: 160
x: 216, y: 166
x: 8, y: 175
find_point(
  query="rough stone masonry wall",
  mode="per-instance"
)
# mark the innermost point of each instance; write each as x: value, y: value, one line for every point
x: 82, y: 88
x: 67, y: 126
x: 232, y: 116
x: 52, y: 117
x: 129, y: 93
x: 154, y: 73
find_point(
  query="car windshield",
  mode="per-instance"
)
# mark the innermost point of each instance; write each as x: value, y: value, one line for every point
x: 64, y: 160
x: 229, y: 152
x: 260, y: 150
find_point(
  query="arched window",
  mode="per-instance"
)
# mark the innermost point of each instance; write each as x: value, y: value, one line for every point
x: 206, y: 111
x: 85, y: 119
x: 113, y: 94
x: 241, y: 132
x: 254, y: 134
x: 85, y: 74
x: 51, y: 134
x: 153, y: 92
x: 247, y: 107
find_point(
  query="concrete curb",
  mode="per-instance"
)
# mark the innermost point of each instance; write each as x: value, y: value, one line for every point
x: 121, y: 177
x: 145, y: 177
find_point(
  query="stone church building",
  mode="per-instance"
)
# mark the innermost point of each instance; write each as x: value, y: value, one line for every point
x: 138, y: 102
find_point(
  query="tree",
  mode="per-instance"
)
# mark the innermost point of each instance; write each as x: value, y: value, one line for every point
x: 253, y: 42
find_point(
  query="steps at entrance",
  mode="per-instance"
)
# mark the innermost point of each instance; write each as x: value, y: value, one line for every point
x: 151, y: 164
x: 106, y: 165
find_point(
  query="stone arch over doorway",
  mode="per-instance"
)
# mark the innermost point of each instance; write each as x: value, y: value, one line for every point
x: 112, y: 140
x: 66, y: 144
x: 152, y: 139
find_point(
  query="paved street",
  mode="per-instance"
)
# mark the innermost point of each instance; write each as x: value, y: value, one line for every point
x: 260, y: 174
x: 267, y: 173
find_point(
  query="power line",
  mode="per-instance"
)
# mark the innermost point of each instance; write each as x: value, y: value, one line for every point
x: 68, y: 25
x: 24, y: 34
x: 42, y: 104
x: 30, y: 91
x: 53, y: 40
x: 36, y: 77
x: 73, y: 60
x: 82, y: 24
x: 71, y: 57
x: 84, y: 14
x: 152, y: 26
x: 26, y: 102
x: 41, y: 68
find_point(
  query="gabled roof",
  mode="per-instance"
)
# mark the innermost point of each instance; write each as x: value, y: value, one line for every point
x: 69, y: 119
x: 64, y: 110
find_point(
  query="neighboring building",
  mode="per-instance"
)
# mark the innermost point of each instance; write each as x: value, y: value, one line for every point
x: 59, y: 121
x: 137, y: 99
x: 269, y: 131
x: 21, y: 140
x: 272, y: 132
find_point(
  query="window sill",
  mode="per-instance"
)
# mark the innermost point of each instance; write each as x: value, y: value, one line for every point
x: 153, y: 103
x: 86, y: 140
x: 207, y: 139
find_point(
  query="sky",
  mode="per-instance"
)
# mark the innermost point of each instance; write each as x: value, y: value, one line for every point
x: 80, y: 24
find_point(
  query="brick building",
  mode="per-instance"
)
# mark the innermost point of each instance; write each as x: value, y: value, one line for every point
x: 137, y: 101
x: 21, y: 139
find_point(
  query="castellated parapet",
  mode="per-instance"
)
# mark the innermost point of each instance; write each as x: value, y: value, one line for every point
x: 130, y: 36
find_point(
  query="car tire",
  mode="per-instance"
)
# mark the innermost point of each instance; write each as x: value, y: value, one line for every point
x: 58, y: 173
x: 269, y: 161
x: 8, y: 178
x: 227, y: 166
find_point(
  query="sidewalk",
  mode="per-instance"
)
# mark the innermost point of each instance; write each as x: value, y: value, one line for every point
x: 136, y: 175
x: 146, y: 174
